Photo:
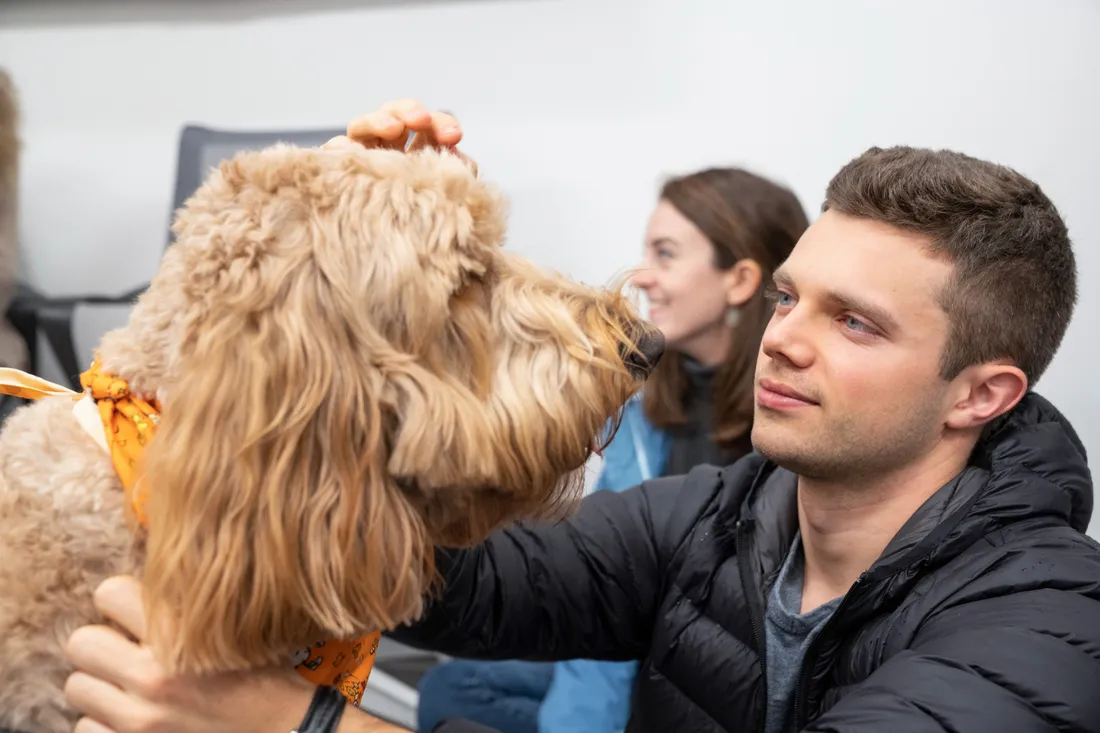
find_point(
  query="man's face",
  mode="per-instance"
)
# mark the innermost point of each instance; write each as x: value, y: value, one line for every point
x: 857, y: 333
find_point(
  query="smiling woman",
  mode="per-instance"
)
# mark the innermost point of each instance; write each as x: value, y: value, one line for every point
x: 714, y: 239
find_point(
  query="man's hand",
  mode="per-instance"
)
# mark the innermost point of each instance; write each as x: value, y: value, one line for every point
x: 119, y: 686
x: 403, y: 125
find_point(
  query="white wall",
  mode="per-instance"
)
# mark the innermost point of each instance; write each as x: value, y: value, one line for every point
x: 576, y: 108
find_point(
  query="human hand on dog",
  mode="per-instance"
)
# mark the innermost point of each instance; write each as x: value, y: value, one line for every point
x: 119, y: 686
x: 403, y: 125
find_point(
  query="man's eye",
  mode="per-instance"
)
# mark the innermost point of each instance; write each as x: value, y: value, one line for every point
x: 857, y: 325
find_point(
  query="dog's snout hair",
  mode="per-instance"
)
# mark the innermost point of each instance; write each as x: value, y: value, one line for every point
x: 642, y: 357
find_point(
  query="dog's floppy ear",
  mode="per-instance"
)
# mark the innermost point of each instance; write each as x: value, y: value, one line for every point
x: 315, y: 291
x: 273, y: 523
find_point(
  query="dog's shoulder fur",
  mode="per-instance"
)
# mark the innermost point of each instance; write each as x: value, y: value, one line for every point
x: 62, y: 532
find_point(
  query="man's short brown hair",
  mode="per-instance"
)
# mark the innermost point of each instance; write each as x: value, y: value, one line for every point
x: 1015, y: 281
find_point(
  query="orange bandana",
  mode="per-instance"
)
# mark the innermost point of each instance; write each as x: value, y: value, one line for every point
x: 129, y: 423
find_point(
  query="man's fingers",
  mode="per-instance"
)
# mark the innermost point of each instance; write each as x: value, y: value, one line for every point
x: 444, y: 131
x: 87, y: 725
x: 378, y: 130
x: 105, y: 653
x: 98, y: 700
x: 119, y: 599
x: 341, y: 142
x: 390, y: 125
x: 409, y: 111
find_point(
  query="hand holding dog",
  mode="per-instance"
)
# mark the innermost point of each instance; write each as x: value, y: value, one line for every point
x: 119, y: 686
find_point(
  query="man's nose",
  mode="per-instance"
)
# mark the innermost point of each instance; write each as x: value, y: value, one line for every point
x: 787, y: 338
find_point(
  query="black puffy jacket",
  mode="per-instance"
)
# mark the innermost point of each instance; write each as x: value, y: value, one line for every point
x: 983, y: 613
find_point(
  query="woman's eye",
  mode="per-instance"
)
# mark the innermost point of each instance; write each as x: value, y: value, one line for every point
x: 784, y: 300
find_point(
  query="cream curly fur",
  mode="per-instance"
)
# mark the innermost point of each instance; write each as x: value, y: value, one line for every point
x: 353, y: 373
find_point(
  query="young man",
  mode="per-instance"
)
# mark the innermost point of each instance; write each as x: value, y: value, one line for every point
x: 905, y: 553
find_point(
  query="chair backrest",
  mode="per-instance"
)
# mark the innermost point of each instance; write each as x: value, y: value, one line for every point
x: 203, y: 148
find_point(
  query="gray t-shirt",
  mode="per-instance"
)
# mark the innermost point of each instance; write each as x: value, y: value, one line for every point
x: 789, y: 635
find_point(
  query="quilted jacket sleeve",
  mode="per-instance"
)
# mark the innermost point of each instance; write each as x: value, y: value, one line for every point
x: 587, y: 587
x: 587, y: 695
x: 1023, y: 663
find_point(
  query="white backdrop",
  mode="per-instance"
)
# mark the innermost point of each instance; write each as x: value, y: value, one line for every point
x: 577, y: 108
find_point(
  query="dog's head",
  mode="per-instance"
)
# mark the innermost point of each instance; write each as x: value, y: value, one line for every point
x: 353, y: 372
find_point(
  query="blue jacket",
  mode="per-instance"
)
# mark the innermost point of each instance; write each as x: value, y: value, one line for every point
x: 594, y: 697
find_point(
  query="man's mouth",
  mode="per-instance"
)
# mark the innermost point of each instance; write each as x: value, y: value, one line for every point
x: 778, y: 396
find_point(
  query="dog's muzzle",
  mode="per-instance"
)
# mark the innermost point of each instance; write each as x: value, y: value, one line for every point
x: 651, y: 346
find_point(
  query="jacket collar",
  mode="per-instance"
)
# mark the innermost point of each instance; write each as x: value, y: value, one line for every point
x: 1033, y: 465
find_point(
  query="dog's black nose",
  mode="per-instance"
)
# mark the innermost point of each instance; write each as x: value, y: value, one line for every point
x: 650, y: 347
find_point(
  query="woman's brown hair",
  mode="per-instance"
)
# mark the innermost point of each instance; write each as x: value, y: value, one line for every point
x: 744, y: 216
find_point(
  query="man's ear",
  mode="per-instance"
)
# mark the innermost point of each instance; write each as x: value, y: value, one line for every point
x: 985, y: 392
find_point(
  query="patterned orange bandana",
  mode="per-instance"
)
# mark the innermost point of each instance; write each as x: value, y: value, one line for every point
x: 129, y: 423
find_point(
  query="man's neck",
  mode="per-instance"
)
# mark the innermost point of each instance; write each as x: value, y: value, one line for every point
x: 845, y: 526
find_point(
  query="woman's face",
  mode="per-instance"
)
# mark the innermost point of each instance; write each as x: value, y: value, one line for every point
x: 688, y: 295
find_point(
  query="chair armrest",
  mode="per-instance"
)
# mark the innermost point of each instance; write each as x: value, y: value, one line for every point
x: 30, y: 311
